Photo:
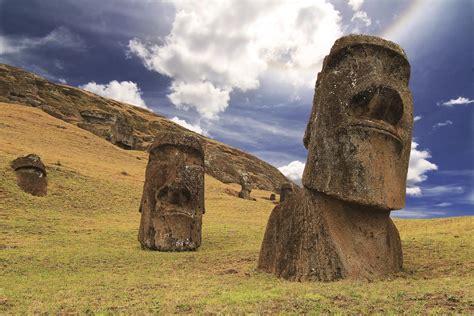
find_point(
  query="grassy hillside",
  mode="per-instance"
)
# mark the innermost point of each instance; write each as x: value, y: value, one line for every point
x: 76, y: 249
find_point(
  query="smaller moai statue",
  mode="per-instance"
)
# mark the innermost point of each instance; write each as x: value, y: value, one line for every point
x: 246, y: 185
x: 172, y: 204
x: 286, y: 189
x: 272, y: 197
x: 31, y: 174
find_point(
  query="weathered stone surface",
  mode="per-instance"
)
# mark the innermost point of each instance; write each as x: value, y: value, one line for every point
x: 31, y: 174
x: 312, y: 236
x: 287, y: 188
x: 127, y: 126
x: 358, y: 139
x: 359, y: 133
x: 172, y: 204
x: 246, y: 187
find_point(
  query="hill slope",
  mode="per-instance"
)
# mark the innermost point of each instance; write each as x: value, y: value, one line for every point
x: 127, y: 126
x: 76, y: 250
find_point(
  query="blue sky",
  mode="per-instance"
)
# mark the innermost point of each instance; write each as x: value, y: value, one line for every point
x: 243, y: 72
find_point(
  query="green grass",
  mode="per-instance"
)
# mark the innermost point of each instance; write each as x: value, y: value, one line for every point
x: 76, y: 250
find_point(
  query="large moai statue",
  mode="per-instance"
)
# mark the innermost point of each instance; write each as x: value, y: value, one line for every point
x: 31, y: 174
x: 172, y: 204
x: 358, y: 139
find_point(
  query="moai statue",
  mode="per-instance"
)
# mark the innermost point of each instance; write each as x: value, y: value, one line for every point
x: 172, y: 204
x: 31, y: 174
x: 246, y: 185
x: 272, y: 197
x: 286, y: 189
x: 358, y: 140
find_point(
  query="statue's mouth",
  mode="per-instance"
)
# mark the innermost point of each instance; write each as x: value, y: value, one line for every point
x: 377, y: 126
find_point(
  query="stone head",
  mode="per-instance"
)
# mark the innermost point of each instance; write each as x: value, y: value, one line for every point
x: 359, y: 133
x: 31, y: 174
x: 245, y: 181
x: 173, y: 193
x: 286, y: 189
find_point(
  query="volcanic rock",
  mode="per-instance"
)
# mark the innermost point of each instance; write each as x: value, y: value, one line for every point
x: 173, y: 195
x: 358, y: 139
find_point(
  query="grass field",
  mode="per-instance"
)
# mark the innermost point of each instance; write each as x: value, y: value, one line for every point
x: 76, y: 250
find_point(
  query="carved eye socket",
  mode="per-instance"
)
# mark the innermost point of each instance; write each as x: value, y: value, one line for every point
x: 377, y: 103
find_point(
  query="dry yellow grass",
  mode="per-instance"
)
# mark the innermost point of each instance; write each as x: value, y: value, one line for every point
x: 76, y: 250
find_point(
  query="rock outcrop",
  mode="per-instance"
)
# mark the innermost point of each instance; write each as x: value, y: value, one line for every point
x: 31, y: 174
x: 172, y: 204
x: 358, y: 139
x: 127, y: 126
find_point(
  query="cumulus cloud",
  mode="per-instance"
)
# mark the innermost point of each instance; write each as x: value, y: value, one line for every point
x: 203, y: 96
x: 355, y: 4
x: 417, y: 118
x: 293, y: 171
x: 361, y: 16
x: 195, y: 128
x: 442, y: 124
x: 219, y: 46
x: 458, y: 101
x: 125, y: 91
x: 417, y: 169
x: 59, y: 37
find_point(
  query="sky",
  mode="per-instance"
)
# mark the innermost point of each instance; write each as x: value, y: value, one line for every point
x: 243, y: 72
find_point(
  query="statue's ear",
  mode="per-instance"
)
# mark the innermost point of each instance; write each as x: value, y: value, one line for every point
x: 312, y: 116
x: 307, y: 136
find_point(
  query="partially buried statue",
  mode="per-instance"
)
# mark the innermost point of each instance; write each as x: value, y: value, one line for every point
x: 173, y: 195
x: 286, y: 189
x: 246, y: 187
x: 31, y: 174
x: 358, y: 139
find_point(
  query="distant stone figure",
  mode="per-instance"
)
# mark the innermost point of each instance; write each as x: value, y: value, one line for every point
x: 286, y: 189
x: 272, y: 197
x: 172, y: 204
x: 358, y: 139
x: 31, y: 174
x: 246, y: 185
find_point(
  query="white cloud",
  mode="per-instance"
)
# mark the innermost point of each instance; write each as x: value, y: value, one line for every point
x: 219, y: 46
x: 441, y: 124
x: 195, y: 128
x: 203, y: 96
x: 355, y: 4
x: 417, y: 169
x: 417, y: 212
x: 362, y: 17
x: 443, y: 204
x: 60, y: 37
x: 125, y: 91
x: 458, y: 101
x: 417, y: 118
x: 439, y: 190
x: 293, y: 171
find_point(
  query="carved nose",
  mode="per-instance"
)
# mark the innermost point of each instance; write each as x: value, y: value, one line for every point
x: 378, y: 103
